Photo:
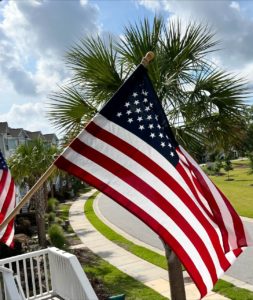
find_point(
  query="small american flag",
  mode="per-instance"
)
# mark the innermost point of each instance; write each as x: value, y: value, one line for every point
x: 7, y: 202
x: 129, y: 153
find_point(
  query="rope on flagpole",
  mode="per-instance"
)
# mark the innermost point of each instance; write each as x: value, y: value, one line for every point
x: 28, y: 196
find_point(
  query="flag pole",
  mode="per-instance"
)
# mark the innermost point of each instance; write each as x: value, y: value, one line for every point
x: 28, y: 196
x: 175, y: 272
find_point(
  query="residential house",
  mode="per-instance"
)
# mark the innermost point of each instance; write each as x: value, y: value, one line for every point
x: 11, y: 138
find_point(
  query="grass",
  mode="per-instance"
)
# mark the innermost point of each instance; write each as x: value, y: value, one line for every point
x: 232, y: 292
x: 116, y: 282
x: 239, y: 191
x: 144, y: 253
x: 222, y: 287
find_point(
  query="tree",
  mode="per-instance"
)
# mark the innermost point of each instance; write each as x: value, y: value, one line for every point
x: 203, y: 104
x: 228, y: 166
x: 27, y: 164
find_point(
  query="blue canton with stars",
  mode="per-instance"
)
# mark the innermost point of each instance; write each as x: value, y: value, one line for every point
x: 3, y: 165
x: 135, y: 107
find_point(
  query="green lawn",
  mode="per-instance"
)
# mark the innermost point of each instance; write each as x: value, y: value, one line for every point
x: 239, y: 191
x: 116, y: 282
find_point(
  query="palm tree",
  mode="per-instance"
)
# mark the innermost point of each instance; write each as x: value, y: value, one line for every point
x: 27, y: 164
x: 204, y: 105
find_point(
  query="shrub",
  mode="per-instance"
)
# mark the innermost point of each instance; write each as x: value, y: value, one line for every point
x: 51, y: 217
x: 51, y: 204
x: 56, y: 236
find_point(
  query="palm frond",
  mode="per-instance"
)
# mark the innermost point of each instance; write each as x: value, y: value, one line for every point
x: 95, y: 69
x: 69, y: 111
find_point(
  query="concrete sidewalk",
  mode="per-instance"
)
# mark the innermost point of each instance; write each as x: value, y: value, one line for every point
x: 143, y: 271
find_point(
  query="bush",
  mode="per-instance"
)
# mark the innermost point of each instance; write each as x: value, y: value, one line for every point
x: 51, y: 217
x: 56, y: 236
x: 51, y: 204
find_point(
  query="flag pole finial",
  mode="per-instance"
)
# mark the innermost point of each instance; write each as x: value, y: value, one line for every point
x: 147, y: 59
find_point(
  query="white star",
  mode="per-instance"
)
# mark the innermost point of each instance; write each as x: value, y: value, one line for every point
x: 158, y: 126
x: 119, y: 114
x: 161, y: 135
x: 135, y: 95
x: 166, y: 137
x: 149, y: 117
x: 145, y: 100
x: 156, y: 117
x: 151, y: 126
x: 170, y: 145
x: 139, y: 119
x: 138, y: 110
x: 141, y: 127
x: 147, y: 108
x: 151, y: 104
x: 172, y: 154
x: 129, y: 112
x: 145, y: 93
x: 136, y: 102
x: 127, y: 104
x: 152, y: 135
x: 162, y: 144
x: 130, y: 120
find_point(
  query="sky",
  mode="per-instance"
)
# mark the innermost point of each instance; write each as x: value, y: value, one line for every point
x: 36, y: 34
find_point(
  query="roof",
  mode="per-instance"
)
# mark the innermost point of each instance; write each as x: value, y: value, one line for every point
x: 3, y: 127
x: 34, y: 134
x: 15, y: 132
x: 50, y: 136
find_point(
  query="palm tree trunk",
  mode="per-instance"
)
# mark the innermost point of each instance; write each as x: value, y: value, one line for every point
x: 40, y: 209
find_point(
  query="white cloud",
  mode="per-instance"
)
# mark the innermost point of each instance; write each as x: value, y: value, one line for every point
x: 230, y: 20
x: 235, y: 5
x: 34, y: 36
x: 30, y: 116
x: 152, y: 5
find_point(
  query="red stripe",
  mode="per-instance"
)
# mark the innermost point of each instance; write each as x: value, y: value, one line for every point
x: 3, y: 181
x: 10, y: 197
x: 212, y: 204
x: 150, y: 193
x: 7, y: 233
x: 66, y: 165
x: 188, y: 181
x: 150, y: 165
x: 238, y: 225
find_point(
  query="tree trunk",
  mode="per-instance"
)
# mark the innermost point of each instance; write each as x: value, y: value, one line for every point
x: 176, y: 278
x: 40, y: 209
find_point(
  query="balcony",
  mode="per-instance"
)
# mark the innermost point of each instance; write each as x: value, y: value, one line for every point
x: 45, y: 274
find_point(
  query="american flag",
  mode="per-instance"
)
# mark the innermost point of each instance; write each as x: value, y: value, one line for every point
x: 7, y: 202
x: 128, y: 152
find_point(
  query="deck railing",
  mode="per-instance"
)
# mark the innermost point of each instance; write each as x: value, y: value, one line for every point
x: 43, y: 274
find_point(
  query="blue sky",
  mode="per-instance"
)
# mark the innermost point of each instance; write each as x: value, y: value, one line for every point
x: 35, y: 34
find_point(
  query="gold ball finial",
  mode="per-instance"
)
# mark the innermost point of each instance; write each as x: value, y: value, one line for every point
x: 147, y: 59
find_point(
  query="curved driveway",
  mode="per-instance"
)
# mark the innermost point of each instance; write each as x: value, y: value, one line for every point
x: 242, y: 269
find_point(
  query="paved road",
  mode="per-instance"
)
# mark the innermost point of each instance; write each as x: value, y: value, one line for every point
x: 242, y: 269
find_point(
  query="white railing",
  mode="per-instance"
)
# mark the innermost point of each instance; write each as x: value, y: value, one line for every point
x: 45, y: 273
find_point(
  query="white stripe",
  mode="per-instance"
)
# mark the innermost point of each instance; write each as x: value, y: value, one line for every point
x: 226, y: 216
x: 145, y: 148
x: 145, y: 204
x: 5, y: 190
x: 9, y: 210
x: 10, y: 238
x: 214, y: 225
x: 158, y: 185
